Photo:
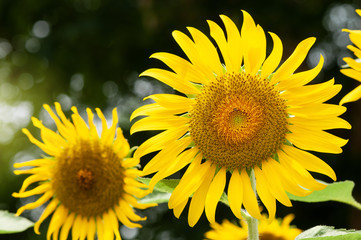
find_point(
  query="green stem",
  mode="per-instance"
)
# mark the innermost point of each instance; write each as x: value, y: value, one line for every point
x: 251, y: 221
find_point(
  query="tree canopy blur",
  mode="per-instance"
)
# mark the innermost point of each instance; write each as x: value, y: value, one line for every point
x: 89, y: 53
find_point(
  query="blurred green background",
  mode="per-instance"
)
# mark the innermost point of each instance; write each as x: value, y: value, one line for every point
x: 89, y: 53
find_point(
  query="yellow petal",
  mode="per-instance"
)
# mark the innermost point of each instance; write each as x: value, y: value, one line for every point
x: 352, y: 96
x: 66, y: 226
x: 171, y: 79
x: 62, y: 116
x: 174, y: 166
x: 156, y: 110
x: 132, y: 201
x: 79, y: 123
x: 83, y: 228
x: 266, y: 197
x: 108, y: 134
x: 353, y: 63
x: 215, y: 192
x: 160, y: 140
x: 352, y: 73
x: 287, y: 220
x: 192, y: 52
x: 286, y: 178
x: 317, y: 93
x: 46, y: 148
x: 75, y: 231
x: 121, y: 146
x: 113, y: 222
x: 184, y: 69
x: 317, y: 110
x: 309, y: 161
x: 48, y: 136
x: 295, y: 60
x: 44, y: 171
x: 32, y: 179
x: 123, y: 218
x: 100, y: 228
x: 358, y: 11
x: 56, y: 222
x: 65, y: 128
x: 92, y: 128
x: 169, y: 153
x: 91, y: 229
x: 207, y: 52
x: 189, y: 182
x: 297, y: 79
x: 37, y: 190
x: 249, y: 198
x: 320, y: 124
x: 34, y: 163
x: 129, y: 212
x: 274, y: 59
x: 218, y: 35
x: 43, y: 199
x: 179, y: 208
x: 275, y: 186
x: 158, y: 123
x: 130, y: 162
x: 355, y: 37
x: 235, y: 193
x: 299, y: 173
x: 48, y: 210
x: 355, y: 50
x: 234, y: 45
x: 254, y: 38
x: 172, y: 100
x: 313, y: 140
x: 108, y: 229
x: 199, y: 198
x: 104, y: 121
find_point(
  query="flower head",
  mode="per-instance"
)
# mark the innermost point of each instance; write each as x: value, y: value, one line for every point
x: 87, y: 178
x: 275, y: 230
x: 238, y: 118
x: 354, y: 70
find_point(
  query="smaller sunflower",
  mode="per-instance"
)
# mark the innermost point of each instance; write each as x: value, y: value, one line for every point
x: 88, y: 178
x: 275, y: 230
x: 354, y: 70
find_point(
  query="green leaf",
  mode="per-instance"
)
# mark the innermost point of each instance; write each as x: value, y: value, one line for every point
x: 338, y: 191
x: 156, y: 197
x: 165, y: 185
x: 162, y: 190
x: 9, y: 223
x: 329, y: 233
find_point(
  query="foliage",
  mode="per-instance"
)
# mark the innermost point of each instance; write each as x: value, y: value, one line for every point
x: 9, y: 223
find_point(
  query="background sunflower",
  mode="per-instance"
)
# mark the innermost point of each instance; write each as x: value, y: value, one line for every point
x: 88, y: 53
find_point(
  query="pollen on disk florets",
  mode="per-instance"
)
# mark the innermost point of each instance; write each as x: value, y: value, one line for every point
x: 238, y: 121
x: 88, y: 178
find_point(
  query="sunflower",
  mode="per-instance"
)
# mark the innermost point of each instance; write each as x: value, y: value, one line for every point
x: 243, y: 118
x: 87, y: 178
x: 275, y: 230
x: 355, y: 66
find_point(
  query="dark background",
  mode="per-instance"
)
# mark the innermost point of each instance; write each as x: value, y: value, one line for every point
x: 89, y: 53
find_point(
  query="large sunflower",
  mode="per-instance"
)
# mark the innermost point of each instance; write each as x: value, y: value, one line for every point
x: 242, y: 117
x: 355, y: 66
x: 87, y: 178
x: 275, y: 230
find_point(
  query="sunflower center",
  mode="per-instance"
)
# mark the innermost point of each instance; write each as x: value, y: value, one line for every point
x: 270, y: 236
x: 88, y: 178
x: 238, y: 121
x: 85, y: 178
